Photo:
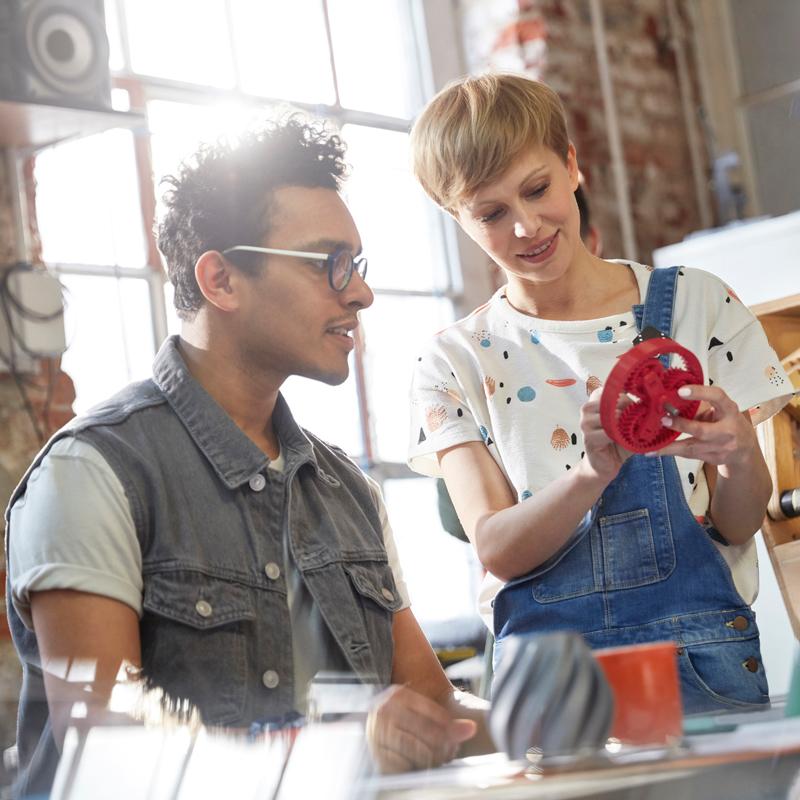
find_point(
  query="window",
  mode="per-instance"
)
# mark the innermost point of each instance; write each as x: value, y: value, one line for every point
x: 357, y: 64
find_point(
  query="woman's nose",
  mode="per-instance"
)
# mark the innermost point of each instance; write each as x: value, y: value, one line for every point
x: 526, y: 226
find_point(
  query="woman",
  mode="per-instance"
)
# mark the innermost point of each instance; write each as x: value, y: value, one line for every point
x: 576, y: 533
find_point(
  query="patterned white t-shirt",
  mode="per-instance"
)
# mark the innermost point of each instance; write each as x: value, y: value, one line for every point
x: 518, y: 382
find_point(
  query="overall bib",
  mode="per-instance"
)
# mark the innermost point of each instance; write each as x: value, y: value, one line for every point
x: 641, y: 568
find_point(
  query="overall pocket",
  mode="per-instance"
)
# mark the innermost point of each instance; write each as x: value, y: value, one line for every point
x: 194, y: 641
x: 722, y: 676
x: 620, y: 551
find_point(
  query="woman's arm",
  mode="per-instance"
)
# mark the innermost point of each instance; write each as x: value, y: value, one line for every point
x: 513, y: 538
x: 738, y: 478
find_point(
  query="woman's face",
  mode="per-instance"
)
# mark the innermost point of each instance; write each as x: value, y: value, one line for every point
x: 527, y: 220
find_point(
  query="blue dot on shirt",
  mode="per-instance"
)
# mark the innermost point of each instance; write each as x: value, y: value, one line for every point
x: 526, y: 394
x: 485, y: 343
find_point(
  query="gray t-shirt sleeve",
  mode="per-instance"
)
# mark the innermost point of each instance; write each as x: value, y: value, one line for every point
x: 388, y: 541
x: 73, y: 529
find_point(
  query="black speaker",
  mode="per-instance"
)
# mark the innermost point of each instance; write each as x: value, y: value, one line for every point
x: 54, y: 51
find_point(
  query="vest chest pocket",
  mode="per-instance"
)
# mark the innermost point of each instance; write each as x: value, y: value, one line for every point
x: 194, y: 641
x: 375, y: 581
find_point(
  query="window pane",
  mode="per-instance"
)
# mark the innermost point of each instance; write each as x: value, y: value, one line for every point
x: 375, y: 57
x: 282, y: 50
x: 116, y: 59
x: 395, y: 329
x: 178, y: 128
x: 87, y: 202
x: 109, y: 335
x: 182, y: 40
x: 402, y: 235
x: 330, y: 412
x: 442, y: 572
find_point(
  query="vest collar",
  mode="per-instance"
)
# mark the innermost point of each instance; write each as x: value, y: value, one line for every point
x: 233, y: 455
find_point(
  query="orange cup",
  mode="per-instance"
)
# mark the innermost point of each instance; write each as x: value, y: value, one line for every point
x: 647, y: 695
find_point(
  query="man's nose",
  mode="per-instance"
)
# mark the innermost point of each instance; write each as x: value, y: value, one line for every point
x: 357, y: 293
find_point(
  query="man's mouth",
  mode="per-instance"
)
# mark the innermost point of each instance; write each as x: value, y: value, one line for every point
x: 339, y: 331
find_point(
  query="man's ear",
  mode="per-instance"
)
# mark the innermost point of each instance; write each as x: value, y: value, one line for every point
x: 215, y: 278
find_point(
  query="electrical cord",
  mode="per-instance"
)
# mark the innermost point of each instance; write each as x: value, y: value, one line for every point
x: 9, y: 302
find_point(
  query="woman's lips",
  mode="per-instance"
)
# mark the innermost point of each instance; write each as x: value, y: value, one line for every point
x: 541, y: 255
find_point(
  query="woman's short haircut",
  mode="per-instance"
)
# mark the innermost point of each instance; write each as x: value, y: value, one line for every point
x: 474, y: 128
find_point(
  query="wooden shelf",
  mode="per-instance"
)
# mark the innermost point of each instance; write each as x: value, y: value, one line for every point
x: 37, y: 125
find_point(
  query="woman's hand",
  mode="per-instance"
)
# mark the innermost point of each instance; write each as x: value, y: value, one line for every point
x: 604, y: 457
x: 719, y: 434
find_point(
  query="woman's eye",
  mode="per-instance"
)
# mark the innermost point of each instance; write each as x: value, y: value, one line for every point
x: 538, y: 191
x: 492, y: 216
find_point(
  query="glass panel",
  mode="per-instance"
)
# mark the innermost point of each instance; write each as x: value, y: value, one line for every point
x: 181, y: 40
x: 395, y: 328
x: 375, y: 56
x: 116, y: 59
x: 81, y: 220
x: 282, y: 50
x: 330, y: 412
x: 402, y: 235
x: 775, y: 142
x: 442, y: 573
x: 767, y: 36
x: 107, y: 322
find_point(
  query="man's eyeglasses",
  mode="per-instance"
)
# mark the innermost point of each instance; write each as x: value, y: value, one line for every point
x: 340, y: 263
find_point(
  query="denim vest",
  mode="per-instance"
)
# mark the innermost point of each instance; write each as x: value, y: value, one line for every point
x: 641, y: 568
x: 210, y: 516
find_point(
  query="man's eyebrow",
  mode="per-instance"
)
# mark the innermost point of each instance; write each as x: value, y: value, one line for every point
x: 471, y: 206
x: 327, y: 246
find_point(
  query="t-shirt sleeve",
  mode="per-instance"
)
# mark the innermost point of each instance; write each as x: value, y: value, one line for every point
x: 440, y: 412
x: 388, y: 541
x: 741, y: 360
x: 73, y: 529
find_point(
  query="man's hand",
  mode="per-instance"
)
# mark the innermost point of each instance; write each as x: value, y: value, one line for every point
x: 407, y: 731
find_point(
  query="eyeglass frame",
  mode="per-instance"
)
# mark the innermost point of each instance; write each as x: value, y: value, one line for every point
x: 358, y: 265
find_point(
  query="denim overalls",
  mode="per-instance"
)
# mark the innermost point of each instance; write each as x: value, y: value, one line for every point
x: 641, y: 568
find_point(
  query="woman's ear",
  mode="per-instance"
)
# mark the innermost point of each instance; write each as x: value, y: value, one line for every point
x: 572, y: 167
x: 214, y: 276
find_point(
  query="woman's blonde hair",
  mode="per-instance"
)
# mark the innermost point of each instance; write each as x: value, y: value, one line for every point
x: 474, y: 128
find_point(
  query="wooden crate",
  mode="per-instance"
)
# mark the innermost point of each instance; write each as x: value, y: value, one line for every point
x: 780, y: 438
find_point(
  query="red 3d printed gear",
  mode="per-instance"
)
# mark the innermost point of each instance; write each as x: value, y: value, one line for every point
x: 639, y: 376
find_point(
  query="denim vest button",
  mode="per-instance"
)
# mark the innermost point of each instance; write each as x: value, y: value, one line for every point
x: 270, y: 679
x: 387, y: 594
x: 203, y: 608
x: 739, y: 623
x: 273, y: 571
x: 258, y: 482
x: 751, y: 664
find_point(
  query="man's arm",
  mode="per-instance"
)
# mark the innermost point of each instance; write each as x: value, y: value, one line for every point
x: 83, y: 641
x: 422, y: 721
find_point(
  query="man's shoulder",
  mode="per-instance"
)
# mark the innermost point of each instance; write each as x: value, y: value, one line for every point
x: 120, y: 406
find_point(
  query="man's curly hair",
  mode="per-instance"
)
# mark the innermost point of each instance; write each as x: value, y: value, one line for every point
x: 220, y: 197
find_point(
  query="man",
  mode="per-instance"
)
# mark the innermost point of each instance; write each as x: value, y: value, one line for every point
x: 187, y: 526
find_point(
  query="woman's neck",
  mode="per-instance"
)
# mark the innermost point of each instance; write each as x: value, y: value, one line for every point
x: 591, y: 289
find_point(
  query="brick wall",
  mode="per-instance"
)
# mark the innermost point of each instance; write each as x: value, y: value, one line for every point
x: 552, y: 40
x: 50, y: 393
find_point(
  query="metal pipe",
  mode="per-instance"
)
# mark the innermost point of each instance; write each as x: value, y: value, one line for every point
x: 629, y: 248
x: 684, y: 86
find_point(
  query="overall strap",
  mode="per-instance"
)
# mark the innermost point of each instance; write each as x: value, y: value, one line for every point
x: 659, y: 305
